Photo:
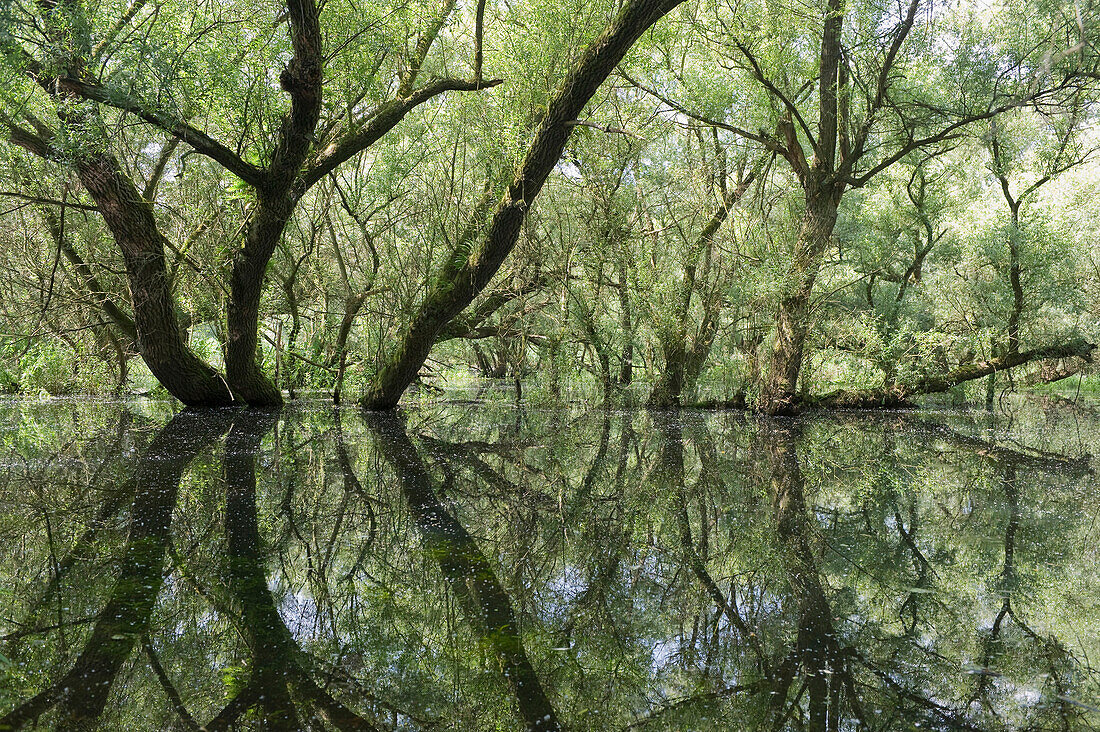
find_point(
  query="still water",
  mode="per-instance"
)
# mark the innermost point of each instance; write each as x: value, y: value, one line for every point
x: 481, y: 566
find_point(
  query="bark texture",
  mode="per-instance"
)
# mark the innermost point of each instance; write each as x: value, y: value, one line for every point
x: 160, y: 338
x: 778, y: 395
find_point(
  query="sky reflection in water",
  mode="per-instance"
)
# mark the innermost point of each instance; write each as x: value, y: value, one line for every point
x: 476, y: 566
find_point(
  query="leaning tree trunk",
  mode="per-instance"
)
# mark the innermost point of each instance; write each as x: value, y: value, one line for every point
x: 130, y: 218
x: 897, y: 395
x: 160, y: 339
x: 461, y: 281
x: 793, y: 319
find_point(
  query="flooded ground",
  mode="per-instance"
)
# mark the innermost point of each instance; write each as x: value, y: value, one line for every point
x: 478, y: 566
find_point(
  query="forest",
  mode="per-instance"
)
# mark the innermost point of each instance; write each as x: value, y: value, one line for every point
x: 545, y: 365
x: 764, y: 205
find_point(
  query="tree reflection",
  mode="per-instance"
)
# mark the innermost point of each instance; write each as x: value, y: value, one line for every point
x: 280, y: 669
x: 80, y: 695
x: 468, y: 573
x: 459, y: 569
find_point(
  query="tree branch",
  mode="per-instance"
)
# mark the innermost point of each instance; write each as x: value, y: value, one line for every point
x: 352, y: 141
x: 901, y: 32
x: 200, y: 141
x: 424, y: 46
x: 761, y: 137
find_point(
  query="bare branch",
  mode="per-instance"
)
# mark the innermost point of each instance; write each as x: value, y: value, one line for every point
x: 788, y: 104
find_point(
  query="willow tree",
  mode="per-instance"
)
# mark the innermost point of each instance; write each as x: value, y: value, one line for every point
x: 133, y: 63
x: 851, y: 92
x: 687, y: 331
x: 1023, y: 165
x: 477, y: 256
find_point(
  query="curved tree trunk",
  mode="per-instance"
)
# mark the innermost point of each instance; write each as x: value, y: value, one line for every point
x: 461, y: 281
x: 277, y: 196
x: 130, y: 218
x: 160, y: 339
x: 896, y: 395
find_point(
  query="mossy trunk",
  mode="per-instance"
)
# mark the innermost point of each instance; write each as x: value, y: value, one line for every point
x: 465, y: 277
x: 896, y: 395
x: 668, y: 389
x: 778, y: 395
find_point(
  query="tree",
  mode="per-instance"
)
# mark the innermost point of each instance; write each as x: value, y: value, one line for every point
x: 861, y: 104
x: 472, y: 265
x: 79, y: 63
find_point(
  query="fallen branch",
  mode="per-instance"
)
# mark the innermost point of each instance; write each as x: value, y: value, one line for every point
x: 901, y: 395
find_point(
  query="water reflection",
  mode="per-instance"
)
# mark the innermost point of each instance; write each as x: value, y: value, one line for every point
x: 482, y: 567
x: 78, y: 697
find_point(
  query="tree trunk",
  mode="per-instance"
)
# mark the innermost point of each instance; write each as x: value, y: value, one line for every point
x: 900, y: 395
x: 130, y: 218
x: 242, y: 355
x: 1014, y: 241
x: 461, y: 281
x: 684, y: 363
x: 159, y: 336
x: 277, y: 196
x: 792, y: 321
x: 351, y: 310
x: 668, y: 388
x: 626, y: 365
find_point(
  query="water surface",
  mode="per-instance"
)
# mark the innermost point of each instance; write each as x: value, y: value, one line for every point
x: 480, y: 566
